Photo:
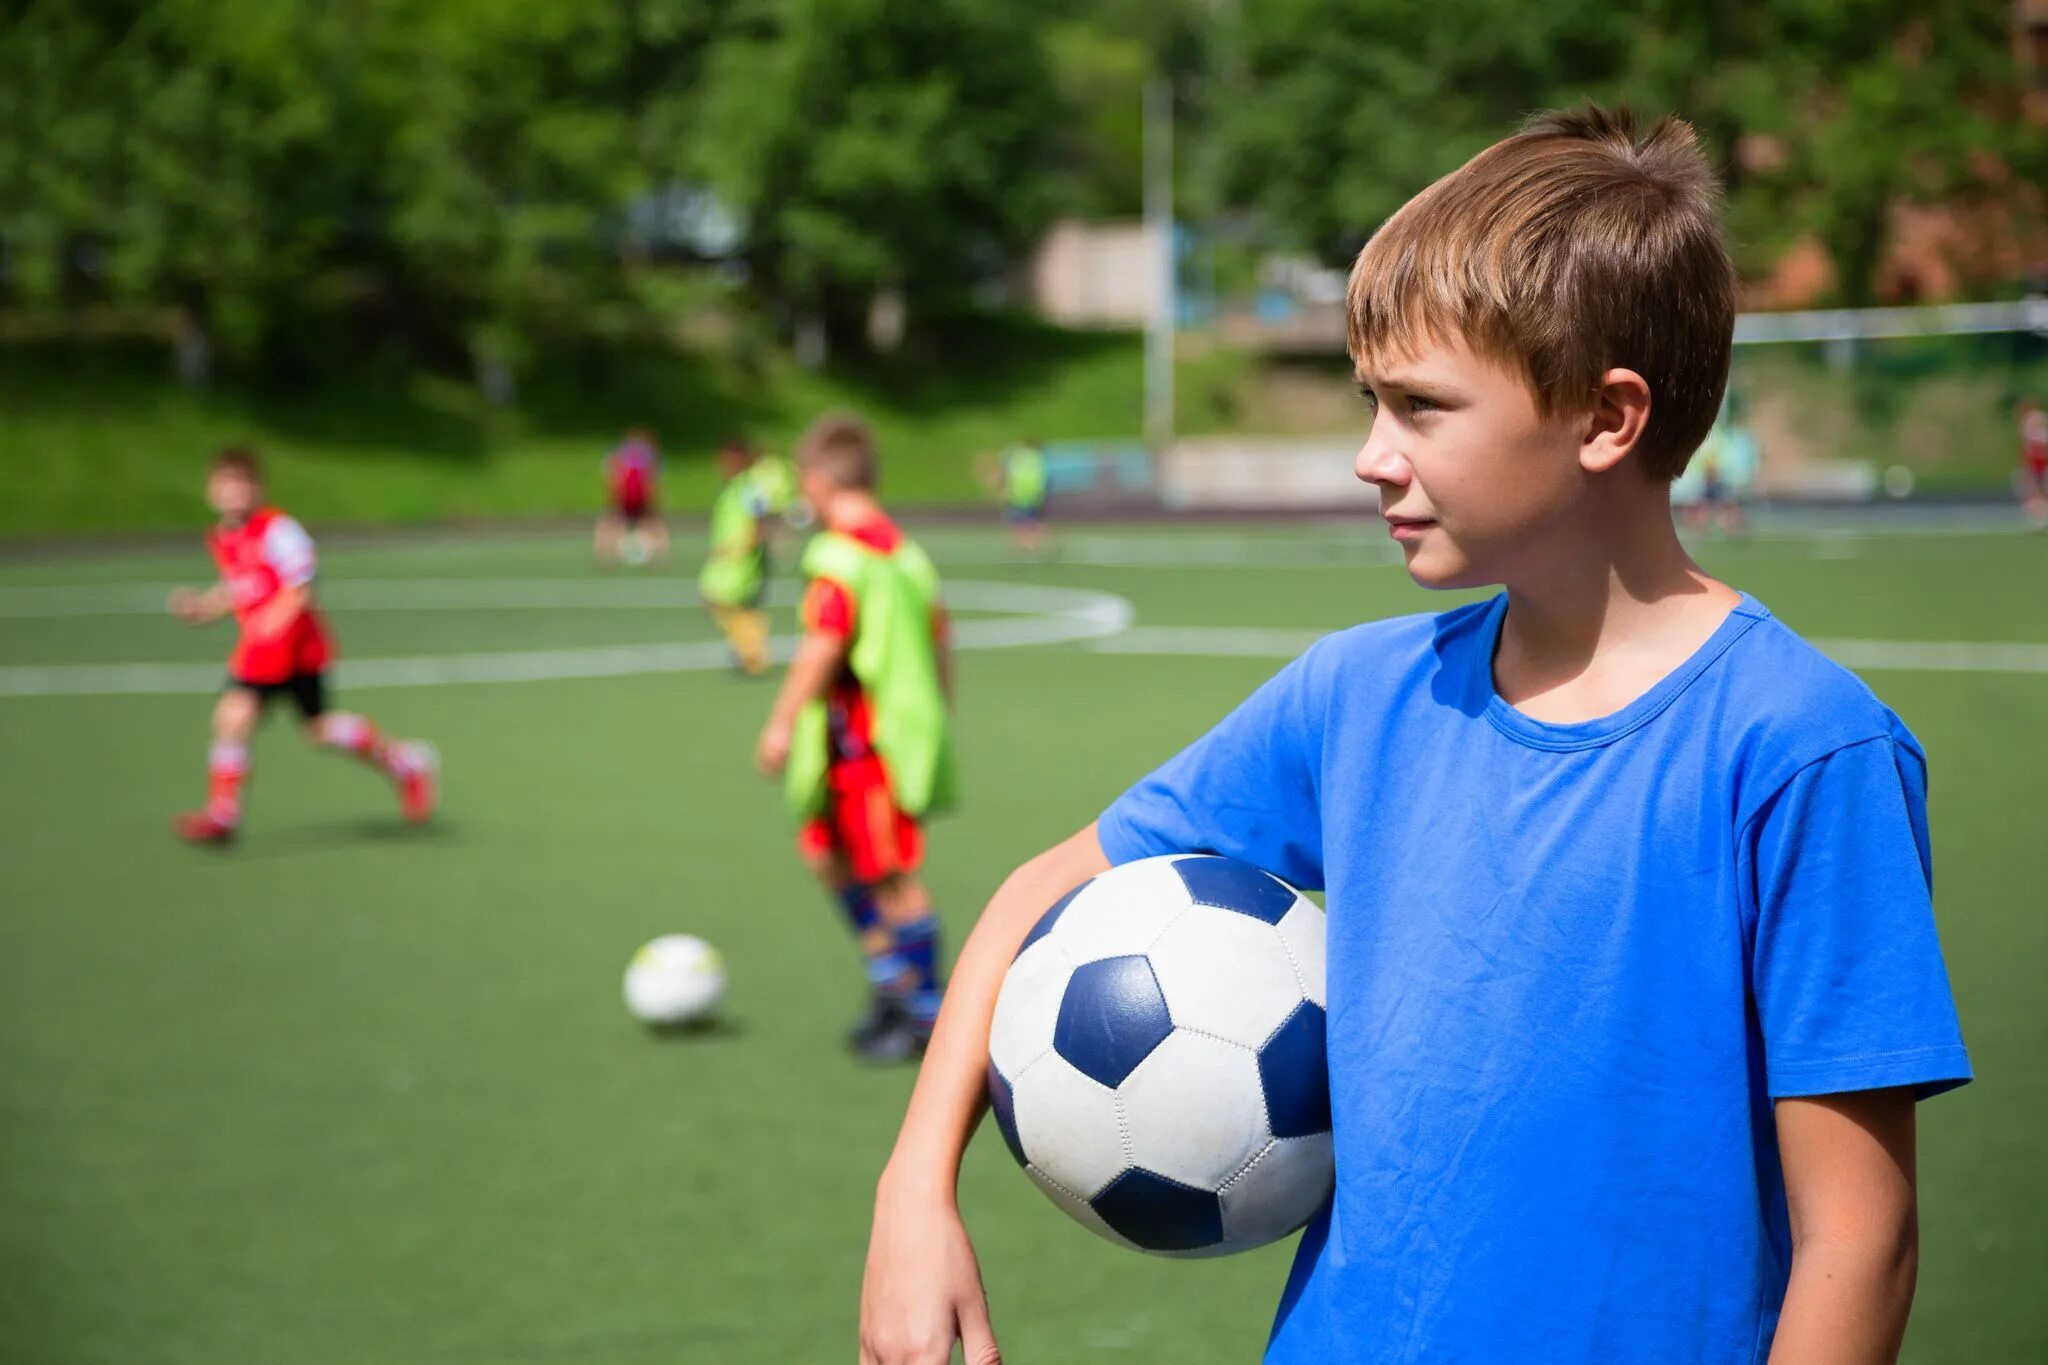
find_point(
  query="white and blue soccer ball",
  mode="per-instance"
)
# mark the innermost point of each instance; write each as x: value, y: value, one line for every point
x: 674, y: 980
x: 1156, y: 1061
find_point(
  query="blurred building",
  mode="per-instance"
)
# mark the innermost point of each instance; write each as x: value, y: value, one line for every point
x: 1097, y: 274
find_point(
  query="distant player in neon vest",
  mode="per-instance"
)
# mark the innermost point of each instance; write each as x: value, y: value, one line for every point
x: 1024, y: 490
x: 861, y: 734
x: 735, y: 574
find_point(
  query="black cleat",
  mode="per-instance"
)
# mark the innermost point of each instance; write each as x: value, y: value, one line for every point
x: 903, y: 1041
x: 883, y: 1013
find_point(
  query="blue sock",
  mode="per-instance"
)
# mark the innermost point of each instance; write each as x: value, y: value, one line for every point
x: 917, y: 944
x: 858, y: 902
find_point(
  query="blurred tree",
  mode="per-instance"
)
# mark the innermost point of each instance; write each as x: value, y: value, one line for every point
x: 878, y: 148
x: 1825, y: 114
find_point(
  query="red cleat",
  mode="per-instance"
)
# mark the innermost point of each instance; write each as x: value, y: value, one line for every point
x: 198, y: 827
x: 419, y: 784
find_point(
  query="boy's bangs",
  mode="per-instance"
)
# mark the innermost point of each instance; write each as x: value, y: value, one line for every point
x: 1410, y: 290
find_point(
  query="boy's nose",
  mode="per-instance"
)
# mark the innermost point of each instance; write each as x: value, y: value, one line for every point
x: 1380, y: 462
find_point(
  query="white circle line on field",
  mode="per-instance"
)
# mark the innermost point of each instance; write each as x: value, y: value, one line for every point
x: 1045, y: 616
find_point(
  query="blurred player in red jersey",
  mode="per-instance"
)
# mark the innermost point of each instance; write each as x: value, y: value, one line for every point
x: 266, y: 582
x: 2034, y: 463
x: 631, y: 529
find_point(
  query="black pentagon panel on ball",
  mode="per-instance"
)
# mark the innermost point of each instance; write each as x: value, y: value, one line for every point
x: 1158, y: 1214
x: 1051, y: 917
x: 1294, y: 1071
x: 1228, y: 884
x: 1112, y: 1015
x: 1002, y: 1103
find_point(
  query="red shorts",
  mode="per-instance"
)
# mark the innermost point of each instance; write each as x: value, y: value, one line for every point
x: 862, y: 822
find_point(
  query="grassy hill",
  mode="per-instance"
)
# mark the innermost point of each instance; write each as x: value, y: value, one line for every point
x: 99, y: 438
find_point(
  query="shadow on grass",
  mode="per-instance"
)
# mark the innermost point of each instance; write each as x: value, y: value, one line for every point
x: 303, y: 839
x: 718, y: 1028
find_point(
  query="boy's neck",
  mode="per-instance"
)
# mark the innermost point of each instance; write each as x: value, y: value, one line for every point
x: 852, y: 507
x: 1620, y: 605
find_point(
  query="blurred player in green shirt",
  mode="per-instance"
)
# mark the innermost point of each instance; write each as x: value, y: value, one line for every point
x: 1024, y: 488
x: 735, y: 575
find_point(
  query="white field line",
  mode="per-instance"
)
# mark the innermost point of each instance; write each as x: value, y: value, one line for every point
x: 1911, y: 656
x: 504, y: 594
x: 1047, y: 615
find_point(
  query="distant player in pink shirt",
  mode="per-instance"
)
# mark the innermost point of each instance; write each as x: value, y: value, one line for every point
x: 266, y: 564
x: 630, y: 528
x: 2034, y: 463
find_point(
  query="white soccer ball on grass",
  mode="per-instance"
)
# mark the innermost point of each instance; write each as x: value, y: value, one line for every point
x: 674, y: 980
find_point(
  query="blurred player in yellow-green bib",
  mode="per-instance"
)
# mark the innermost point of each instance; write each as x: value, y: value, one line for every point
x: 734, y: 578
x: 1024, y: 490
x: 861, y: 733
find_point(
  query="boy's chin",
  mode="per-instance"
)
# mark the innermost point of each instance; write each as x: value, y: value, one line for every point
x: 1442, y: 568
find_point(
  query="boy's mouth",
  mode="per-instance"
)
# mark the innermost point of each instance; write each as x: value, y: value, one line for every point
x: 1407, y: 528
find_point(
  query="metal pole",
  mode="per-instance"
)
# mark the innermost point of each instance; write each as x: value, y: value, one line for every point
x: 1159, y: 237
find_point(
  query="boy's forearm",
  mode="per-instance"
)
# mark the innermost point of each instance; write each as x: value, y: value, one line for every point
x: 810, y: 673
x: 951, y: 1085
x: 1847, y: 1304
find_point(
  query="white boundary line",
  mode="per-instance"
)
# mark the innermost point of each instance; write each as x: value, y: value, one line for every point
x: 1046, y: 615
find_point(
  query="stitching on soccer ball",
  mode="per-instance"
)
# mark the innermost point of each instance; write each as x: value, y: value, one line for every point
x: 1246, y: 1169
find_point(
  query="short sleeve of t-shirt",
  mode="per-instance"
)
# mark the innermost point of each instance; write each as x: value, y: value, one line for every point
x: 1246, y: 790
x: 1851, y: 991
x: 828, y: 608
x: 289, y: 552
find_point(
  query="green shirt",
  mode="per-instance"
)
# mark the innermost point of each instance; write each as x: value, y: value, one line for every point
x: 736, y: 571
x: 1023, y: 476
x: 895, y: 659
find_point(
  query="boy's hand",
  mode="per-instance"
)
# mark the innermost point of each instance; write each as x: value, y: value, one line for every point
x: 193, y: 607
x: 922, y: 1290
x: 771, y: 752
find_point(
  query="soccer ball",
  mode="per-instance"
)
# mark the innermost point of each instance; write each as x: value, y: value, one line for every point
x: 634, y: 549
x: 1156, y: 1059
x: 675, y: 979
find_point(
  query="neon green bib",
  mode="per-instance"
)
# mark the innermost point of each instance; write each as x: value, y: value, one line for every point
x: 771, y: 474
x: 731, y: 577
x: 1024, y: 477
x: 895, y: 659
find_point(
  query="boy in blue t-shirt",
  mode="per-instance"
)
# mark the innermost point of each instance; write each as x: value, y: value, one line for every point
x: 1633, y: 975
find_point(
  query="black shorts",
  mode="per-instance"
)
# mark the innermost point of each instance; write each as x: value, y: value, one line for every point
x: 308, y: 692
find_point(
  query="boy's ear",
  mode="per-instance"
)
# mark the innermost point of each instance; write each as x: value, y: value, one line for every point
x: 1621, y: 413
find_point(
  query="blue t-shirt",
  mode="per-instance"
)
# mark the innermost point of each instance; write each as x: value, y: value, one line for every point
x: 1570, y: 967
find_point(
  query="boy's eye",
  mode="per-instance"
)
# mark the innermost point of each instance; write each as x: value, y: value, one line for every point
x: 1372, y: 400
x: 1417, y: 403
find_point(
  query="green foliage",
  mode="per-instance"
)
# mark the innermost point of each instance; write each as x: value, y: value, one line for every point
x: 1824, y: 115
x: 879, y: 144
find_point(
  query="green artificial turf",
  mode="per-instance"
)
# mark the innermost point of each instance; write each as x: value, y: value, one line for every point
x: 352, y: 1092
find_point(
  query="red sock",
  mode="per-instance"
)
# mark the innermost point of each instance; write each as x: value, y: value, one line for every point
x: 227, y: 764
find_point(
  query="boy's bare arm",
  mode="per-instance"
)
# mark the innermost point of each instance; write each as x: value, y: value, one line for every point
x: 1849, y: 1187
x: 817, y: 661
x: 203, y: 606
x: 923, y: 1289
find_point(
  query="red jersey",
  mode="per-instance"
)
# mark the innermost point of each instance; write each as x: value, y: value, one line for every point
x: 631, y: 471
x: 259, y: 559
x: 2034, y: 440
x: 829, y: 608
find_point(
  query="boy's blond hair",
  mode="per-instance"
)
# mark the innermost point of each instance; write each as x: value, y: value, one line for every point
x: 839, y: 446
x: 1575, y: 246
